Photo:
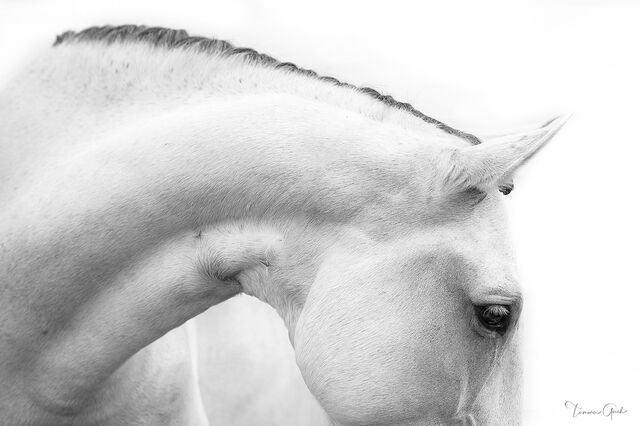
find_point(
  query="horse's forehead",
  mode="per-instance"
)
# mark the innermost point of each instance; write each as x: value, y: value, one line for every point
x: 474, y: 251
x: 474, y: 233
x: 483, y: 229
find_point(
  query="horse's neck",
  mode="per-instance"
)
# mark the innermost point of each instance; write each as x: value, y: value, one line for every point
x: 102, y: 77
x: 108, y: 192
x: 101, y: 226
x: 84, y: 90
x: 103, y: 164
x: 82, y: 95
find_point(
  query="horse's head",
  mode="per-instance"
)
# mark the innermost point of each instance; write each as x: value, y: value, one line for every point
x: 410, y: 314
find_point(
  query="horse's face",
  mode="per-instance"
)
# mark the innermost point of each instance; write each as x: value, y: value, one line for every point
x: 408, y: 313
x: 411, y: 317
x: 416, y: 329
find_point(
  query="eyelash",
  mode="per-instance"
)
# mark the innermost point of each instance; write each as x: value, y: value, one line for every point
x: 492, y: 320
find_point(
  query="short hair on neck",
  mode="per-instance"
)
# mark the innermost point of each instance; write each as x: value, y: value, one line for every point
x: 176, y: 39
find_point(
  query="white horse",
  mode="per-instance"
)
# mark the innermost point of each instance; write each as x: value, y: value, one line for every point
x: 146, y: 176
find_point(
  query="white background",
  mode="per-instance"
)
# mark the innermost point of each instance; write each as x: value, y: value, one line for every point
x: 482, y: 67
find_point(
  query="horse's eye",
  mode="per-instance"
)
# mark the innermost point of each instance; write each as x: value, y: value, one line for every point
x: 494, y: 318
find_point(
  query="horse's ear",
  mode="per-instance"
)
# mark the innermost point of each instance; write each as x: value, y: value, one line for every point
x: 491, y: 163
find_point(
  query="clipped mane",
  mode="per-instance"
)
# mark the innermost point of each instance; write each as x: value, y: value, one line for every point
x: 179, y: 39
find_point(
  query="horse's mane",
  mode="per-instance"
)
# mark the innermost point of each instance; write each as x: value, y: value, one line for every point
x: 176, y: 39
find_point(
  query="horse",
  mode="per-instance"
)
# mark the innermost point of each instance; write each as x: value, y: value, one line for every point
x: 148, y: 175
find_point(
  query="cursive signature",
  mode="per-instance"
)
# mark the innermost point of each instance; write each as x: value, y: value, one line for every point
x: 607, y: 410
